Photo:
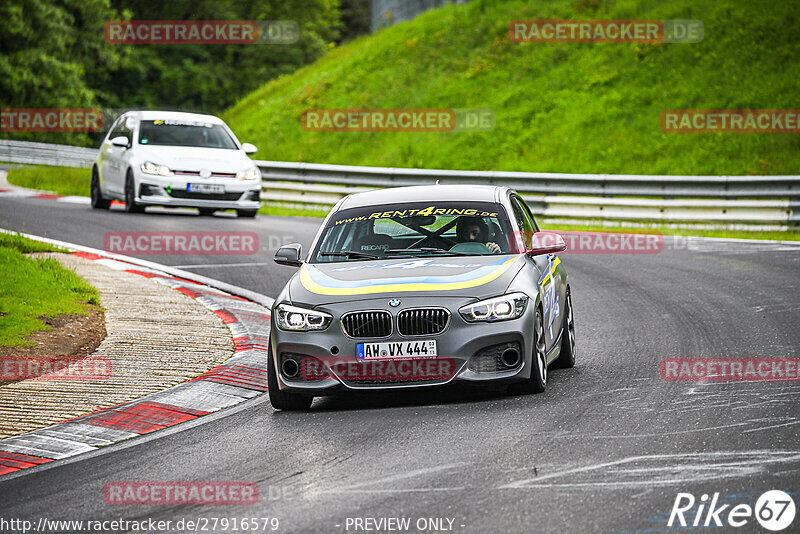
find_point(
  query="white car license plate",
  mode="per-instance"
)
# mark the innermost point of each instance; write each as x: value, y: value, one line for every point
x: 396, y: 349
x: 205, y: 188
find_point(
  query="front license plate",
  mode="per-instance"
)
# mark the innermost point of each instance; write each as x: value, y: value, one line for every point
x: 396, y: 349
x: 205, y: 188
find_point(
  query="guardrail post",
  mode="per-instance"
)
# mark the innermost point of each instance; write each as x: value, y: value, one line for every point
x: 794, y: 212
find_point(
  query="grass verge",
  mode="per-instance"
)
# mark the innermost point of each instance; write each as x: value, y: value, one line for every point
x: 288, y: 211
x: 24, y: 245
x: 60, y: 180
x: 36, y: 288
x: 559, y: 107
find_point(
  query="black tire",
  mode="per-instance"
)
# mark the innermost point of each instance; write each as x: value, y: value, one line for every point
x: 249, y: 214
x: 130, y: 195
x: 566, y: 358
x: 206, y: 212
x: 282, y: 400
x: 98, y: 202
x: 537, y: 382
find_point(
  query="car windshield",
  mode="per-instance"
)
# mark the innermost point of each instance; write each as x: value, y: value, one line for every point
x: 185, y: 133
x: 416, y: 229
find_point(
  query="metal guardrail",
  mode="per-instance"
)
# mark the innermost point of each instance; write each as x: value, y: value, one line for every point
x: 727, y: 200
x: 753, y: 200
x: 46, y: 154
x: 543, y: 183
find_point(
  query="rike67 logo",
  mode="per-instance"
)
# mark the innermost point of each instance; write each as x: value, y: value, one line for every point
x: 774, y: 510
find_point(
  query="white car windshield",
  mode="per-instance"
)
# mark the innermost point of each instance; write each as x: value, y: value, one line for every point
x: 185, y: 133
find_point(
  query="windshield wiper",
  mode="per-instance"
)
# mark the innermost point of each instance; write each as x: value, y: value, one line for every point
x: 350, y: 254
x: 424, y: 250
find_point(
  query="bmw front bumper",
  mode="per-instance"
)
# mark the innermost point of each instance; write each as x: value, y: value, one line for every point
x: 470, y: 351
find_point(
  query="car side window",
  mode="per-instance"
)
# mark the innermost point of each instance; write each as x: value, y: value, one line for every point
x: 529, y: 213
x: 127, y: 128
x: 518, y: 213
x: 524, y: 222
x: 115, y: 128
x: 121, y: 128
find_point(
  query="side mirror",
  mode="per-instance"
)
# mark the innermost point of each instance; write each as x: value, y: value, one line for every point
x: 546, y: 243
x: 120, y: 140
x: 289, y: 255
x: 249, y: 148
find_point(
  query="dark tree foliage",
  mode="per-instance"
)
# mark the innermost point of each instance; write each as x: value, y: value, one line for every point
x: 53, y: 54
x: 355, y: 18
x: 212, y: 77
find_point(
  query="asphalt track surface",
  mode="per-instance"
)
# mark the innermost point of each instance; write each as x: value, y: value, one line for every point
x: 606, y: 448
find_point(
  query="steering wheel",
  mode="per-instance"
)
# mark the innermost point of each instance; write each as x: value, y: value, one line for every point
x: 471, y: 247
x: 433, y: 238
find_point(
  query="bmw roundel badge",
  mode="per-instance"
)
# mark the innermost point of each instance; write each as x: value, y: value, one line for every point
x: 394, y: 303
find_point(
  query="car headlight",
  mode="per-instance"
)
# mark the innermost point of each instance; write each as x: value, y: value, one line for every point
x: 301, y: 319
x: 510, y: 306
x: 148, y: 167
x: 253, y: 173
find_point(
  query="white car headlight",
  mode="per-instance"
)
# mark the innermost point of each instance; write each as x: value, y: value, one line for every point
x: 148, y: 167
x: 510, y: 306
x: 253, y: 173
x: 301, y: 319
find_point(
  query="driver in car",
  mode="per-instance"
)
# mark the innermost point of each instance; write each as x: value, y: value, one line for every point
x: 195, y: 137
x: 475, y: 230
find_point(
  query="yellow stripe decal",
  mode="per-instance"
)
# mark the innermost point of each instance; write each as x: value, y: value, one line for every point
x: 311, y: 285
x: 552, y: 270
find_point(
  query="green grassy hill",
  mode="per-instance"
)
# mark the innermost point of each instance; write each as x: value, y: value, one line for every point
x: 580, y: 108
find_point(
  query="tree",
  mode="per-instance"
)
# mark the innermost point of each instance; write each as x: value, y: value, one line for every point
x: 51, y: 56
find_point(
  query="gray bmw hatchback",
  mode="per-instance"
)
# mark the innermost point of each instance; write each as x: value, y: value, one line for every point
x: 420, y: 287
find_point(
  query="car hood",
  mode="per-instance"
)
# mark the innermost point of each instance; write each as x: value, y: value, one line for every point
x: 182, y: 158
x: 452, y: 276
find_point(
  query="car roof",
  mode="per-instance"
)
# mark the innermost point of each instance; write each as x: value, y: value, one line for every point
x: 177, y: 115
x: 425, y: 193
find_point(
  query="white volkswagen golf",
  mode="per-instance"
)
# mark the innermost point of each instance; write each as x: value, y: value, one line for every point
x: 167, y: 158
